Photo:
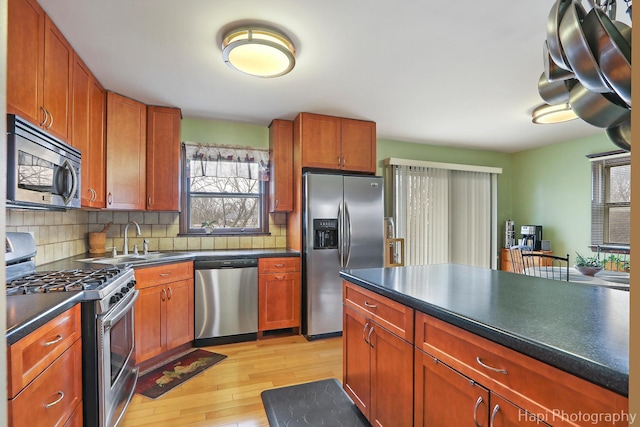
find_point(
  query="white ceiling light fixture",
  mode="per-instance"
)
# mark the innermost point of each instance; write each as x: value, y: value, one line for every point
x: 556, y: 113
x: 258, y: 51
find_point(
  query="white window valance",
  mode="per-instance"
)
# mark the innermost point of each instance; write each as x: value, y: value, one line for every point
x: 227, y: 161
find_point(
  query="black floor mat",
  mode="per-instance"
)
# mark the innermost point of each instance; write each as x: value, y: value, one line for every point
x: 319, y: 403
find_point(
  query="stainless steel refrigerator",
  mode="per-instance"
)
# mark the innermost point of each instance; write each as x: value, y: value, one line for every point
x: 343, y: 228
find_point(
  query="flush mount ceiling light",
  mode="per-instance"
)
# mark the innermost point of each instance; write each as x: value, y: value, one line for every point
x: 258, y: 52
x: 557, y: 113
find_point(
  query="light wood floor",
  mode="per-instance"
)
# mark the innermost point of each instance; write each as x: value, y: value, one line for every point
x: 228, y: 394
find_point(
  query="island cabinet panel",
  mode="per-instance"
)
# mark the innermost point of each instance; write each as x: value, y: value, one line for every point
x: 126, y: 153
x: 281, y: 166
x: 530, y: 384
x: 163, y: 159
x: 378, y: 362
x: 164, y: 309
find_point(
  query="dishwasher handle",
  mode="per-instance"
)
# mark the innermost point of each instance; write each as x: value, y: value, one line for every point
x: 217, y: 264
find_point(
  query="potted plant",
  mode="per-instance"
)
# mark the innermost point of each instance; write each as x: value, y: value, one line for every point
x: 588, y: 266
x: 209, y: 226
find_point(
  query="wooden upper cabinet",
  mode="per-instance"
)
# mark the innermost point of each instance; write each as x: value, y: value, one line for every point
x: 25, y: 59
x: 358, y: 145
x: 94, y: 163
x: 329, y: 142
x: 163, y: 158
x: 126, y: 153
x: 58, y: 65
x: 39, y: 69
x: 281, y: 166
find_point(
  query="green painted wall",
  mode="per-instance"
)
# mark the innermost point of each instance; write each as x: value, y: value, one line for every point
x: 226, y: 133
x: 552, y: 187
x: 548, y: 186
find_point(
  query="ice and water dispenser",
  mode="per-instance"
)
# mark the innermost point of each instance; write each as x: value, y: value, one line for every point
x: 325, y: 234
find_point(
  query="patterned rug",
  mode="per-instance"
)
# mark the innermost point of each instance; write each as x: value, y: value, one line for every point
x: 156, y: 381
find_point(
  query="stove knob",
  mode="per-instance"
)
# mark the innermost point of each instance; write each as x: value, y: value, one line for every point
x: 114, y: 299
x: 124, y: 290
x: 131, y: 284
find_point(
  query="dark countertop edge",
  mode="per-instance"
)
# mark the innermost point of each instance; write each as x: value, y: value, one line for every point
x: 23, y: 328
x: 76, y: 261
x: 613, y: 380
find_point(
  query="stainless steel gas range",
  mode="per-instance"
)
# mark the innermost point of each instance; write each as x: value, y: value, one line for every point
x: 109, y: 375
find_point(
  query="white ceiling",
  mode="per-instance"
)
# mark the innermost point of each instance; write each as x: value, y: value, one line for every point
x: 454, y: 73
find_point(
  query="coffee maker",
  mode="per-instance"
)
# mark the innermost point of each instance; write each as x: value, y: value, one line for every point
x: 532, y: 236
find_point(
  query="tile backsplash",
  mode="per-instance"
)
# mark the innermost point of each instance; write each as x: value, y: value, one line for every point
x: 60, y: 235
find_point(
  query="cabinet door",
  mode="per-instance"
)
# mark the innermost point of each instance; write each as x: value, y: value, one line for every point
x: 178, y: 322
x: 506, y: 414
x: 163, y: 159
x: 148, y: 322
x: 444, y: 397
x: 25, y: 56
x: 58, y: 63
x: 96, y: 172
x: 126, y: 153
x: 391, y: 379
x: 279, y: 301
x: 320, y: 141
x: 358, y: 145
x: 80, y: 117
x: 281, y: 166
x: 356, y: 359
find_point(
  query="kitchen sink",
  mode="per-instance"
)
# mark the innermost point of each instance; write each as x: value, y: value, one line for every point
x: 132, y: 258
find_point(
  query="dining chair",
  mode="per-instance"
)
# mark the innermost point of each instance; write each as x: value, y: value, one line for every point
x: 516, y: 257
x: 546, y: 265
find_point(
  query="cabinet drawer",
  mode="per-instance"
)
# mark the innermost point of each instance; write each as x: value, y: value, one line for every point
x: 28, y: 357
x: 53, y: 396
x: 278, y: 265
x: 166, y: 273
x: 529, y: 383
x: 392, y: 315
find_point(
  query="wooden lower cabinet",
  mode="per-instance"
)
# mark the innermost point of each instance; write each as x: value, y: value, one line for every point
x: 378, y: 371
x: 164, y: 309
x: 279, y: 293
x: 44, y: 380
x: 443, y: 396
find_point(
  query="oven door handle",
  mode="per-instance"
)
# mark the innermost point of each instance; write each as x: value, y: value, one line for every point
x: 116, y: 315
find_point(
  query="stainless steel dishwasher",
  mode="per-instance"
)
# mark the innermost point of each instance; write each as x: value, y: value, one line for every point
x: 226, y: 301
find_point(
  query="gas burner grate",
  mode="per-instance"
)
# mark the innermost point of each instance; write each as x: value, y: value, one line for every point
x: 62, y: 281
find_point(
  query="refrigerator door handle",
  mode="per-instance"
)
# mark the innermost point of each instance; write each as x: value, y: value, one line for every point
x: 348, y: 230
x: 340, y: 235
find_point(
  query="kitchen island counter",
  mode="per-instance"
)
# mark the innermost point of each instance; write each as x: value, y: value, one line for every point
x: 582, y: 330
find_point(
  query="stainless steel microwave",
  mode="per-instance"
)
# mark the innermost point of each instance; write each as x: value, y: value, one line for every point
x: 42, y: 172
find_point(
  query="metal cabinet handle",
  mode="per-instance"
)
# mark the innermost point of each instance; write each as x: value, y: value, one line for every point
x: 495, y: 411
x: 277, y: 202
x: 164, y: 274
x: 170, y: 291
x: 51, y: 122
x: 278, y: 265
x: 109, y: 198
x: 58, y: 338
x: 149, y: 201
x: 498, y: 370
x: 366, y: 325
x: 44, y: 113
x: 55, y: 402
x: 279, y: 277
x: 368, y: 304
x: 475, y: 411
x: 369, y: 337
x: 163, y: 295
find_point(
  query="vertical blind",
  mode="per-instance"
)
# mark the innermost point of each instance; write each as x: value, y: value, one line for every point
x: 446, y: 213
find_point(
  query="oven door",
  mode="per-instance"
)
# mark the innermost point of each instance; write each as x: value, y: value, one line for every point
x: 117, y: 374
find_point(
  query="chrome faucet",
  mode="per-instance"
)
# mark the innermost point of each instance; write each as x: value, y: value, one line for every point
x: 125, y: 249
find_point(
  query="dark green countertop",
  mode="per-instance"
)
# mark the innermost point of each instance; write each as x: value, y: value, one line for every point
x: 583, y: 330
x: 26, y: 313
